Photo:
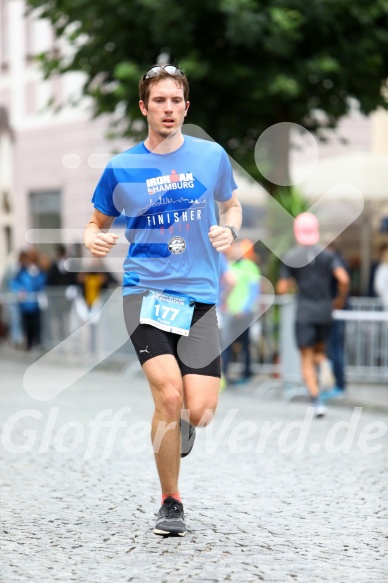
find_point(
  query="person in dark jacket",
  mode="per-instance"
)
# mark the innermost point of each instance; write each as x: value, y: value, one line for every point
x: 28, y: 282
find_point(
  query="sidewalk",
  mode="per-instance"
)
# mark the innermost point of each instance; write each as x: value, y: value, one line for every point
x: 372, y: 396
x: 79, y: 488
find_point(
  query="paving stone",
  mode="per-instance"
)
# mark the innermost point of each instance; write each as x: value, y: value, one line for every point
x: 81, y: 506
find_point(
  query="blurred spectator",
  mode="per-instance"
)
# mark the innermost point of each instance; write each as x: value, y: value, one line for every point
x: 371, y: 285
x: 314, y: 299
x: 336, y: 342
x: 240, y: 307
x: 91, y: 284
x: 13, y: 314
x: 57, y: 274
x: 59, y: 280
x: 227, y: 282
x: 3, y: 325
x: 89, y: 299
x: 380, y: 282
x: 28, y: 283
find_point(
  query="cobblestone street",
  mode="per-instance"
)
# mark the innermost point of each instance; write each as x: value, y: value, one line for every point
x: 264, y: 500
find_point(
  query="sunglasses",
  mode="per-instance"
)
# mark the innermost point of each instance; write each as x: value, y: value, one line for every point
x: 170, y: 69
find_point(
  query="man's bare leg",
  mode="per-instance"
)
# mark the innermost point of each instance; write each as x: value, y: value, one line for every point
x: 166, y: 384
x: 310, y: 377
x: 201, y: 398
x: 320, y: 353
x: 309, y: 373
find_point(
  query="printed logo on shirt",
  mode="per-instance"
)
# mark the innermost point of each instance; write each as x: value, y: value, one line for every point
x: 183, y: 203
x: 172, y: 181
x: 176, y: 245
x: 166, y: 211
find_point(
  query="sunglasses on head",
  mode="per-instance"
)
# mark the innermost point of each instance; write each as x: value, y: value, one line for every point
x: 154, y: 71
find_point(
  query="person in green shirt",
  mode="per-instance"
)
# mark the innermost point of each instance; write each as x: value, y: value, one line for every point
x: 240, y: 307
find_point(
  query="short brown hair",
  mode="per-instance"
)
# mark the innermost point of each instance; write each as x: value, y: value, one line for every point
x: 146, y: 84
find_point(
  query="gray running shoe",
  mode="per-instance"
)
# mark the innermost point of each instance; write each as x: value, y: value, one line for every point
x: 320, y: 410
x: 187, y: 437
x: 171, y: 518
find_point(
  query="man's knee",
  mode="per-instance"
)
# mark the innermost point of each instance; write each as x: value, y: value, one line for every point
x: 170, y: 402
x: 202, y: 417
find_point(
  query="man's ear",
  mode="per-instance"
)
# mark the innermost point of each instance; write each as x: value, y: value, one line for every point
x: 143, y: 107
x: 187, y: 107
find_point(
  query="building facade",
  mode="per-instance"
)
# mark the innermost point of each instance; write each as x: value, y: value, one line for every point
x: 50, y: 161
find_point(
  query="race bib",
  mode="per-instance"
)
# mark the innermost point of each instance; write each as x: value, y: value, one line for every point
x: 167, y: 311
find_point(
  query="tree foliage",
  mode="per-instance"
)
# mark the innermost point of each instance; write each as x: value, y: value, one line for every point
x: 250, y: 63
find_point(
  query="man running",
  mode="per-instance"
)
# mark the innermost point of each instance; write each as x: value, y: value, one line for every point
x: 166, y: 186
x: 312, y: 268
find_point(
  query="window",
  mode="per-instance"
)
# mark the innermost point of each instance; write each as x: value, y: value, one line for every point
x: 4, y: 34
x: 8, y: 239
x: 45, y: 208
x: 29, y: 36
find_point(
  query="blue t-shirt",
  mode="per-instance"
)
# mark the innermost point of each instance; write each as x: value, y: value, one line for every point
x: 168, y: 202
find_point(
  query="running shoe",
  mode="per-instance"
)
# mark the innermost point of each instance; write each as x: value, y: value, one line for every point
x: 240, y: 381
x: 171, y: 518
x: 320, y: 410
x: 335, y: 393
x: 187, y: 437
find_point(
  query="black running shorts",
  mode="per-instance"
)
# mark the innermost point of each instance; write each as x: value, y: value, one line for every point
x: 197, y: 353
x: 308, y: 335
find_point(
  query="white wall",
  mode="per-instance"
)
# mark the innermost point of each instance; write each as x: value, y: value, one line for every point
x: 45, y: 142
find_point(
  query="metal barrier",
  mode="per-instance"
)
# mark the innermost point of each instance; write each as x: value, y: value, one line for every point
x: 64, y: 315
x: 70, y: 329
x: 366, y: 340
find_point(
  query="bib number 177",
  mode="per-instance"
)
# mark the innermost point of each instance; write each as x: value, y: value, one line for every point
x: 166, y: 313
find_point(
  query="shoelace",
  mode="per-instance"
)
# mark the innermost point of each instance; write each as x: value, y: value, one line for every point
x: 171, y: 508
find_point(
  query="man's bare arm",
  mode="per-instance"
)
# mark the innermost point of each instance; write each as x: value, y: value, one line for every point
x: 230, y: 214
x: 96, y: 237
x: 283, y: 286
x: 343, y: 280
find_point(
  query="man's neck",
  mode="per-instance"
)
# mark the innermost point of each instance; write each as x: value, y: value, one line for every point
x: 160, y: 145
